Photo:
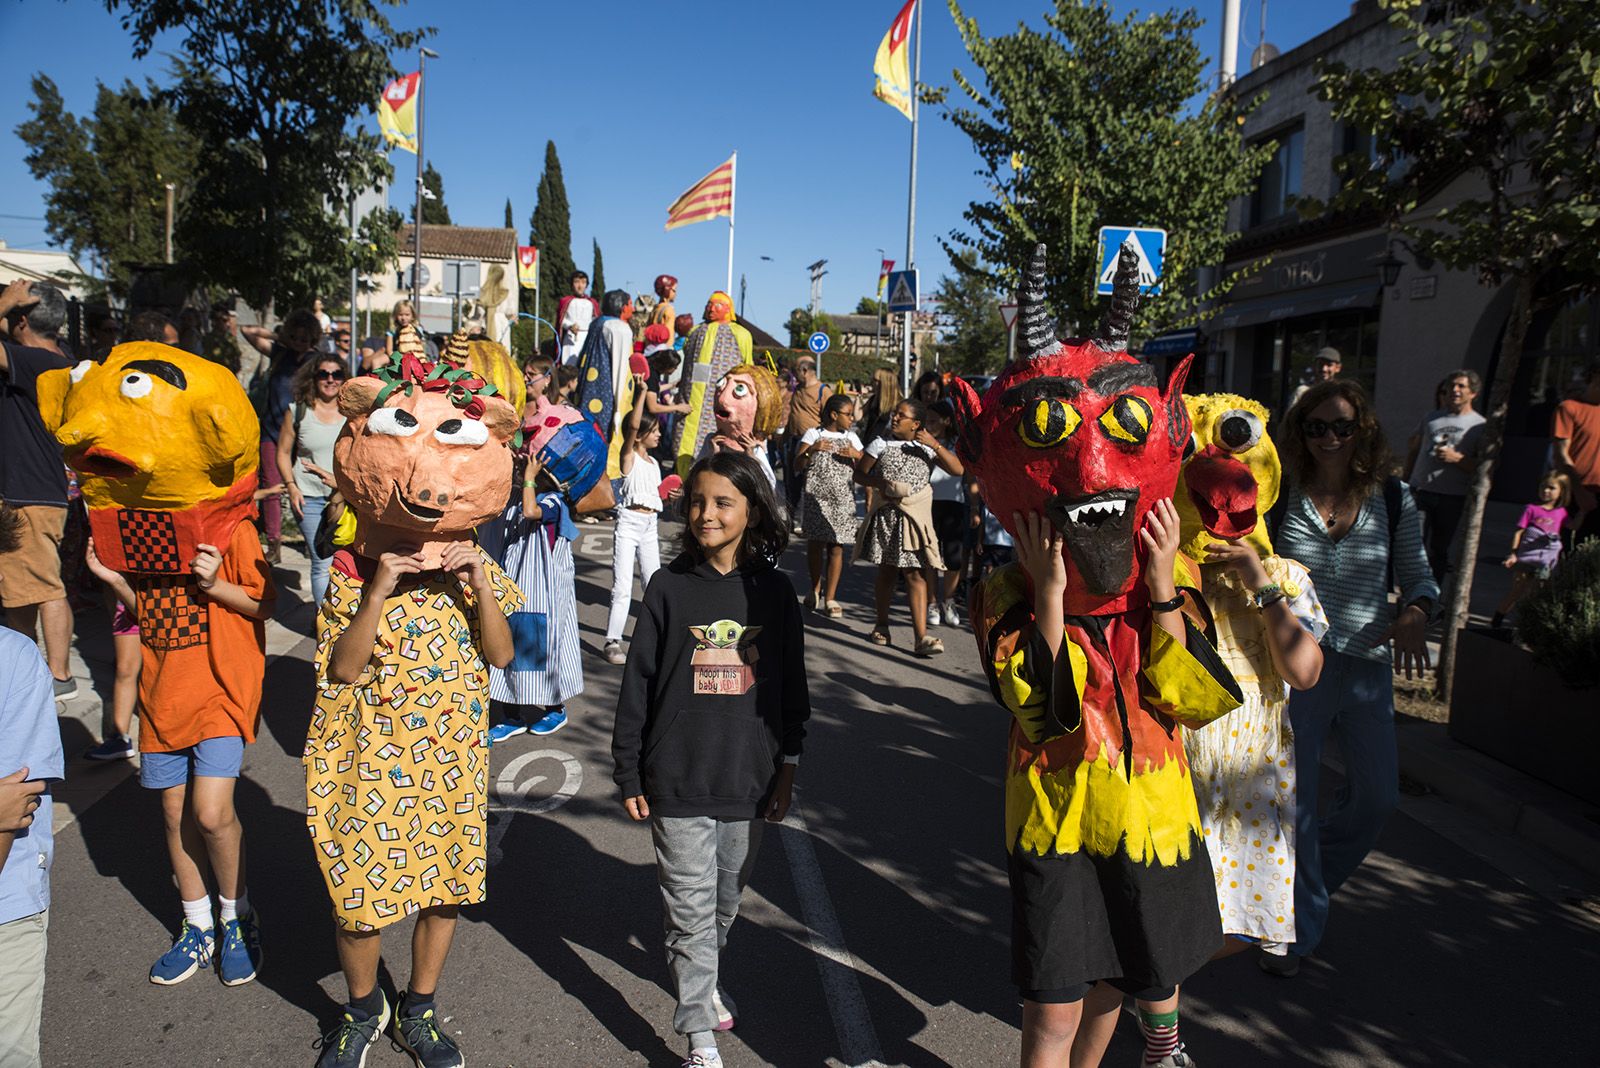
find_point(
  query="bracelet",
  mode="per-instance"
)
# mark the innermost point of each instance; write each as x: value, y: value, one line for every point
x: 1269, y: 594
x: 529, y: 483
x: 1157, y: 607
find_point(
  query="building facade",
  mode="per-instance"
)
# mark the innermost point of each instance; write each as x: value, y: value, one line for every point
x: 1321, y: 285
x: 469, y: 278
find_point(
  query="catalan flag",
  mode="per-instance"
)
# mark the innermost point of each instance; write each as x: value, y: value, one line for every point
x: 397, y: 111
x: 709, y: 198
x: 893, y: 64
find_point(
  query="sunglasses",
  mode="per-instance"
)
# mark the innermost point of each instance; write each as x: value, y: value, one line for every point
x: 1342, y: 428
x: 331, y: 376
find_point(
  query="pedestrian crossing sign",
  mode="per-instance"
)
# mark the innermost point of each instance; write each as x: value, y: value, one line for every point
x: 1149, y: 243
x: 902, y: 291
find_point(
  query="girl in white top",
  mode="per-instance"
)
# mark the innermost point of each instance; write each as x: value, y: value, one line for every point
x: 638, y: 515
x: 827, y: 455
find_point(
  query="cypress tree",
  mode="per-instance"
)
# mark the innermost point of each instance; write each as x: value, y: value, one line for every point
x: 550, y: 231
x: 511, y: 223
x: 597, y: 276
x: 434, y: 211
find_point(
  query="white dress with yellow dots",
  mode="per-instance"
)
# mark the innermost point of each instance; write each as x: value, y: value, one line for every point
x: 1243, y: 764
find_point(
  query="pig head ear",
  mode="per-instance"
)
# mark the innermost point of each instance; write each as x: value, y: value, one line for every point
x: 1179, y: 428
x: 356, y: 396
x: 500, y: 417
x: 51, y: 389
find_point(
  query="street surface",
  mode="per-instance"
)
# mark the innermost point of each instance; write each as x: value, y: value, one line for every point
x: 875, y: 930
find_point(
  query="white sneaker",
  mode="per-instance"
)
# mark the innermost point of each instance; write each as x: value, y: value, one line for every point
x: 726, y: 1011
x: 934, y: 618
x: 1176, y: 1059
x: 952, y: 617
x: 614, y: 653
x: 703, y: 1058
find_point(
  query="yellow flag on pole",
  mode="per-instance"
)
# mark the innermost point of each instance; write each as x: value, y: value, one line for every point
x: 893, y: 64
x: 397, y: 111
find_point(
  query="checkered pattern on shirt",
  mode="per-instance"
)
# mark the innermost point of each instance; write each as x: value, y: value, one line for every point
x: 149, y: 541
x: 171, y: 615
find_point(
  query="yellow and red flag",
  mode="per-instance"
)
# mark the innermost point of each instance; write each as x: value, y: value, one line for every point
x: 397, y: 111
x: 709, y: 198
x: 883, y: 276
x: 527, y: 267
x: 893, y: 65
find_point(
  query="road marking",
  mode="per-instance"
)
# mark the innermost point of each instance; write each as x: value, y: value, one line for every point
x: 514, y: 797
x: 858, y: 1039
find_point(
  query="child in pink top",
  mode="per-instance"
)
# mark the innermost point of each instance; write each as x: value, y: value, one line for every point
x: 1536, y: 546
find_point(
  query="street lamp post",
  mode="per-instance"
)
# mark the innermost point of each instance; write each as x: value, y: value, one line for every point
x: 423, y: 55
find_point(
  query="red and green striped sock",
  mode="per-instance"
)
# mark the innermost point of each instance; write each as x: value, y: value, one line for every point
x: 1160, y: 1031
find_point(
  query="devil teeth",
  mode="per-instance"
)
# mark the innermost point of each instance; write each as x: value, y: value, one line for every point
x: 1100, y: 509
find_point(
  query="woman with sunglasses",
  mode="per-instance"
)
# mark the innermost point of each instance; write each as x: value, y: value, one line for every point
x: 1339, y: 490
x: 305, y: 453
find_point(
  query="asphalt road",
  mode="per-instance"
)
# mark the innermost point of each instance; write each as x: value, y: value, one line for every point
x: 875, y: 930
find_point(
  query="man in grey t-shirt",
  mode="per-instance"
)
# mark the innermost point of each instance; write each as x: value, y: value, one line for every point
x: 1442, y: 455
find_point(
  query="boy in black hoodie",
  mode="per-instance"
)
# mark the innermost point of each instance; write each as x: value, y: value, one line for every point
x: 710, y: 723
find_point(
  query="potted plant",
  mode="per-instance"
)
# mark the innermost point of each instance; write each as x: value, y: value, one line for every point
x: 1533, y: 704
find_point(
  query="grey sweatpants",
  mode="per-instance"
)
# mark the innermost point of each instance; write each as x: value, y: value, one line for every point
x: 703, y: 865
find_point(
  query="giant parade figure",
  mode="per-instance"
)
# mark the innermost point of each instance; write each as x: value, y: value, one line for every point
x: 1076, y: 448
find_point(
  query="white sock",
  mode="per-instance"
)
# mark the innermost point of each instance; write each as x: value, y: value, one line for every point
x: 198, y: 913
x: 231, y: 909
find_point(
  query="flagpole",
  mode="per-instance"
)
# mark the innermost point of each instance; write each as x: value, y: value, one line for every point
x: 416, y: 229
x: 733, y: 198
x: 911, y: 205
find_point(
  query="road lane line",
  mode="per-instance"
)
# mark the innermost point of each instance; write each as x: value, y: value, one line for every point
x: 858, y: 1039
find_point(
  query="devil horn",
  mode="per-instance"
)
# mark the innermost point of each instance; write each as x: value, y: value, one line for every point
x: 1124, y: 301
x: 1038, y: 336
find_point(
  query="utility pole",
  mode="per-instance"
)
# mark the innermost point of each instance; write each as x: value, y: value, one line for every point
x: 169, y: 221
x: 817, y: 272
x: 741, y: 294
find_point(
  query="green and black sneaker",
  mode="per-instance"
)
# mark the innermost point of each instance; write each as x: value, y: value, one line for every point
x: 419, y: 1035
x: 347, y: 1044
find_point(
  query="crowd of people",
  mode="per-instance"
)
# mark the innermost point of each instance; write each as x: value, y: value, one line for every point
x: 631, y: 419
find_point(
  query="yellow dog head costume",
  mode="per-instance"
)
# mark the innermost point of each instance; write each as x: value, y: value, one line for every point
x: 167, y: 444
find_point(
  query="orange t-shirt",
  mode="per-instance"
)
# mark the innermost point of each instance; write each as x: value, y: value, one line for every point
x: 203, y: 662
x: 1579, y: 424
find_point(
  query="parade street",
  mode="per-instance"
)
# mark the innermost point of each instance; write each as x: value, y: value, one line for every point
x: 875, y: 931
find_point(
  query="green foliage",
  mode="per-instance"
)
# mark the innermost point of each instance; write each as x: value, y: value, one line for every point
x: 597, y: 274
x: 550, y: 231
x: 377, y: 242
x: 836, y: 366
x: 277, y: 99
x: 973, y: 340
x: 1086, y: 124
x: 511, y: 222
x: 802, y: 324
x: 1560, y: 621
x: 872, y: 306
x: 434, y: 210
x: 107, y: 172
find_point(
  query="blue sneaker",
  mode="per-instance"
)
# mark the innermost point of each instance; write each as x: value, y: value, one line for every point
x: 550, y: 722
x: 191, y: 952
x: 419, y: 1035
x: 507, y: 729
x: 240, y: 955
x: 347, y: 1045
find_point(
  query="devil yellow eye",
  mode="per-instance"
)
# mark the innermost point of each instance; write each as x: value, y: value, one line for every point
x: 1048, y: 423
x: 1127, y: 420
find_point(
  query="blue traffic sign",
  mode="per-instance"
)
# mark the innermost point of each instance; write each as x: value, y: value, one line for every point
x: 1149, y: 242
x: 902, y: 287
x: 818, y: 343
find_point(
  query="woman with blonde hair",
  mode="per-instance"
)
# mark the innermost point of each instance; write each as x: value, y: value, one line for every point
x: 403, y: 315
x: 886, y: 397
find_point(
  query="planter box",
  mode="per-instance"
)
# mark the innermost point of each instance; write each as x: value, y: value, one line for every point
x: 1518, y: 711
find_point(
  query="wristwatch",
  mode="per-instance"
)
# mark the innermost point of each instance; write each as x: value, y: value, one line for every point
x: 1269, y: 594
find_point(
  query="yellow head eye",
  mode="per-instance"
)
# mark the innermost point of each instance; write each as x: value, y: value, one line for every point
x: 1127, y: 420
x: 1048, y: 423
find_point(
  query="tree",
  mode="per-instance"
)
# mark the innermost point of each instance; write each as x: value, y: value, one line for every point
x: 277, y: 98
x: 550, y: 231
x: 1089, y: 124
x: 434, y: 210
x: 378, y: 241
x: 511, y: 222
x: 1503, y: 94
x: 973, y: 339
x: 597, y: 274
x: 108, y: 172
x: 802, y: 324
x: 872, y: 306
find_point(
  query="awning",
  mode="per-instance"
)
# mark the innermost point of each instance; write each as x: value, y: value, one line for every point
x: 1177, y: 342
x: 1292, y: 305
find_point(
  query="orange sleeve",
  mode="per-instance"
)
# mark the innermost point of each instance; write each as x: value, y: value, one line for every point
x: 1561, y: 423
x: 245, y: 566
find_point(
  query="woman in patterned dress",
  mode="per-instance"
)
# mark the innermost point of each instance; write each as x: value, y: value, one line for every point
x: 828, y: 507
x: 898, y: 536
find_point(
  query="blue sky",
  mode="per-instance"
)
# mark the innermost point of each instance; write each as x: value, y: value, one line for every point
x: 641, y: 100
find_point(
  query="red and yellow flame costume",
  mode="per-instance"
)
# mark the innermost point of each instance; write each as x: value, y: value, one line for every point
x: 1109, y: 873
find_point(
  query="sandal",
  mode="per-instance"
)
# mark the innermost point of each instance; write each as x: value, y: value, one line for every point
x: 835, y: 610
x: 879, y: 636
x: 929, y: 646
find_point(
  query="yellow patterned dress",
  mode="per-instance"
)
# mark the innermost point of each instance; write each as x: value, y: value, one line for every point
x: 1243, y: 764
x: 397, y: 762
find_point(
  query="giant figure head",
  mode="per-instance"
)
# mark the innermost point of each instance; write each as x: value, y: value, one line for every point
x: 424, y: 457
x: 166, y: 444
x: 1084, y: 434
x: 748, y: 400
x: 719, y: 308
x: 1231, y: 480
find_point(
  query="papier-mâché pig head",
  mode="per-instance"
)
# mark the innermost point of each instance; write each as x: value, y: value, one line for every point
x: 1083, y: 433
x: 424, y: 457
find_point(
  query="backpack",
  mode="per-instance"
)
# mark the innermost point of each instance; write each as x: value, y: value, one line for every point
x: 1391, y: 503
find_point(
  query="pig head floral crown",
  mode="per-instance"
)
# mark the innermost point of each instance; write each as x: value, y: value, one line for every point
x: 1082, y: 433
x: 424, y: 457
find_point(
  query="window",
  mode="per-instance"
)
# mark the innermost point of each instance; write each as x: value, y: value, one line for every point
x: 1361, y: 143
x: 1280, y: 178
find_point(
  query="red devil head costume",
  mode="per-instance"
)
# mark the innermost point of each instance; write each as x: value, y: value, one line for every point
x: 1084, y: 434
